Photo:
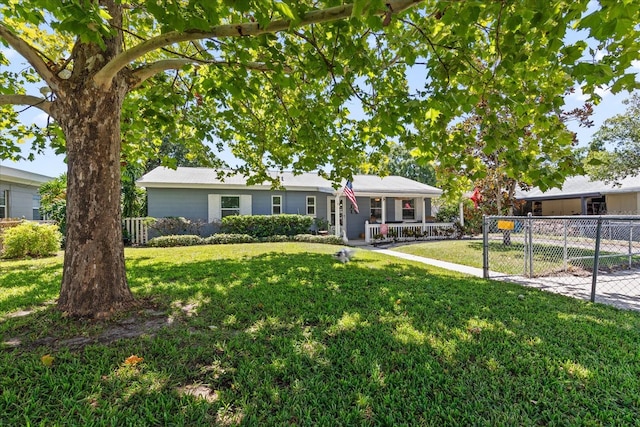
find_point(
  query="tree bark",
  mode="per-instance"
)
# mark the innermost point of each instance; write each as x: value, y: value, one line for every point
x: 94, y: 282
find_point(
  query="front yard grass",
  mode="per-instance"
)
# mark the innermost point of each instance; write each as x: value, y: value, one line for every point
x: 509, y: 259
x: 282, y: 334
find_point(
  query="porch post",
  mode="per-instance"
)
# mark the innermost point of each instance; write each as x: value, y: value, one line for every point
x: 461, y: 214
x: 338, y: 215
x: 384, y: 210
x: 367, y: 232
x: 424, y: 211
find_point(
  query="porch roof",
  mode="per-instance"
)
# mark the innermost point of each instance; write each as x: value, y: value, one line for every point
x: 363, y: 185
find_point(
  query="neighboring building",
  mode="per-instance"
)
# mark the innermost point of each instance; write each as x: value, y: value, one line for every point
x: 581, y: 196
x: 197, y: 194
x: 19, y: 196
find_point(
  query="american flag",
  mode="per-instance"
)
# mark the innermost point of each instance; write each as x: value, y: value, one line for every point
x: 348, y: 191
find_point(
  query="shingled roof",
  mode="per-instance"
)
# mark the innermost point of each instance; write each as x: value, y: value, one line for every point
x: 363, y: 185
x: 582, y: 186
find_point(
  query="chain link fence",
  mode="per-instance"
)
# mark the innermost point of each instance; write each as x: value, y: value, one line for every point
x: 589, y: 257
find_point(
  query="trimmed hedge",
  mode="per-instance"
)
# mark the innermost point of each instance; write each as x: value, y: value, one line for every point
x: 31, y: 239
x: 222, y: 238
x: 311, y: 238
x: 262, y: 226
x: 176, y: 240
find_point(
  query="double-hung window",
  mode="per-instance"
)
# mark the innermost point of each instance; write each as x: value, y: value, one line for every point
x: 229, y: 205
x: 311, y: 205
x: 36, y: 207
x: 3, y: 204
x: 276, y: 205
x: 376, y: 208
x: 409, y: 209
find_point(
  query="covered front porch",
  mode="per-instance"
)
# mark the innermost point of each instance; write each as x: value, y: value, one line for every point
x: 389, y: 209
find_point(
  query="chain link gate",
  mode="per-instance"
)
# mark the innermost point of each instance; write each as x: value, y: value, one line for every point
x: 588, y: 257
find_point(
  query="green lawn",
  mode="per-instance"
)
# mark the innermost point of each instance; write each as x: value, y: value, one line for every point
x: 282, y: 334
x: 547, y: 258
x: 465, y: 252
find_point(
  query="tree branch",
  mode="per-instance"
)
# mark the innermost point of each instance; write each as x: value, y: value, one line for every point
x: 145, y: 72
x: 33, y: 101
x: 31, y: 55
x: 104, y: 77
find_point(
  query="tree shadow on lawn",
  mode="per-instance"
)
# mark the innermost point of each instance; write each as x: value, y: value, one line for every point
x: 275, y: 334
x: 24, y: 284
x: 310, y: 288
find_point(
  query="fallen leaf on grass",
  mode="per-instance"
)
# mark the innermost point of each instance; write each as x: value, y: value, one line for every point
x: 133, y: 360
x: 47, y: 360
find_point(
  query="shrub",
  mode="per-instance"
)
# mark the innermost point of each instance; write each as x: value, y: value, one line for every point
x: 175, y: 240
x: 222, y: 238
x: 261, y: 226
x: 277, y: 238
x: 174, y: 225
x: 31, y: 239
x: 310, y: 238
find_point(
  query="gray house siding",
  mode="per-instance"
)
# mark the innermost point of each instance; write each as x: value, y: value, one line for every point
x: 196, y: 193
x: 20, y: 200
x: 193, y: 203
x: 355, y: 221
x: 188, y: 203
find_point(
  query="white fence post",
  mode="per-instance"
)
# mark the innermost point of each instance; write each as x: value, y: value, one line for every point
x: 137, y: 230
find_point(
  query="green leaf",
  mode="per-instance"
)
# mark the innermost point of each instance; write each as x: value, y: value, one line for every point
x: 286, y: 11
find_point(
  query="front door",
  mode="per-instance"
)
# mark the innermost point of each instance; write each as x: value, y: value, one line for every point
x: 332, y: 214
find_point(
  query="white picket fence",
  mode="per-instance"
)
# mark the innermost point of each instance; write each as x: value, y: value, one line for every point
x: 137, y: 230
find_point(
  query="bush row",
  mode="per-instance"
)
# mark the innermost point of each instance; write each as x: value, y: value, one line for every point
x: 30, y: 239
x: 262, y: 226
x: 223, y: 238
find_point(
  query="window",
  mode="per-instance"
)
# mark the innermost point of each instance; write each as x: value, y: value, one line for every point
x: 276, y: 205
x: 3, y: 204
x: 376, y: 208
x: 311, y: 205
x: 229, y: 205
x: 408, y: 209
x: 36, y: 207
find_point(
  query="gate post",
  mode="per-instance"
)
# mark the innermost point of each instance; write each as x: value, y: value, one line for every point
x: 485, y: 247
x: 596, y: 260
x: 530, y: 244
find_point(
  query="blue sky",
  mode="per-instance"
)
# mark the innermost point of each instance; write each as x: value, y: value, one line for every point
x: 53, y: 165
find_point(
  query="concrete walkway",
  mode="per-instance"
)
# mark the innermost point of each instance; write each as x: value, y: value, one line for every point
x: 472, y: 271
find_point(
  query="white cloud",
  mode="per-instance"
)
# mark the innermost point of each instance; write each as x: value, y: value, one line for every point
x: 41, y: 119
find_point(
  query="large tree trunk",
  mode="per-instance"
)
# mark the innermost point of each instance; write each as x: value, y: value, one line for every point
x: 94, y: 283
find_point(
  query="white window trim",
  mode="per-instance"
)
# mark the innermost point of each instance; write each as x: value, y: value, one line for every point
x: 35, y: 212
x: 5, y: 205
x: 230, y: 209
x: 315, y: 206
x: 413, y: 200
x: 215, y: 205
x: 273, y: 204
x: 371, y: 208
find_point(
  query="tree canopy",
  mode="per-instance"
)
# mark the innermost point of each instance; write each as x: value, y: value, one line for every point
x: 615, y: 148
x: 302, y: 85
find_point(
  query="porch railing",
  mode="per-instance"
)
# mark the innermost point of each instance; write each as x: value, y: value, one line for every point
x: 408, y: 231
